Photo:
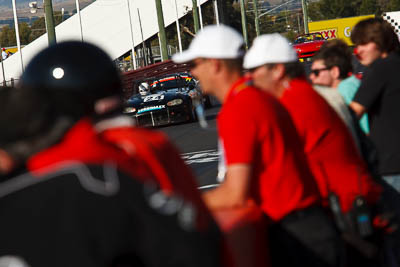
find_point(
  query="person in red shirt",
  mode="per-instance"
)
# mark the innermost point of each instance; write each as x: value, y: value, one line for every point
x: 329, y: 147
x: 343, y: 178
x: 264, y: 157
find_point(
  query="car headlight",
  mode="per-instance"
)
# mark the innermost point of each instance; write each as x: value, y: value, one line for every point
x: 129, y: 110
x: 175, y: 102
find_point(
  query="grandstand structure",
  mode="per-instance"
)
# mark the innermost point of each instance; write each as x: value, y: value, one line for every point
x: 107, y: 24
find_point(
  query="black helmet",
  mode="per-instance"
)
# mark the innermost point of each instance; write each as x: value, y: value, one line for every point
x: 80, y: 72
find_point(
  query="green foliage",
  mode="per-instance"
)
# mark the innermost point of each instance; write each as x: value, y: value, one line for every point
x: 394, y: 5
x: 5, y: 35
x: 368, y: 7
x: 26, y: 33
x: 332, y: 9
x: 38, y: 28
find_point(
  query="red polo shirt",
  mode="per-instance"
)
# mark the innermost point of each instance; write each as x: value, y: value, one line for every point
x: 330, y: 149
x: 255, y: 129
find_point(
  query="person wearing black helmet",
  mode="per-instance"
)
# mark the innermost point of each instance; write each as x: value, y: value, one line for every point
x: 76, y: 199
x: 91, y: 86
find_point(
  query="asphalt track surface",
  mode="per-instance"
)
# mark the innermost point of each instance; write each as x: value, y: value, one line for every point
x: 198, y: 146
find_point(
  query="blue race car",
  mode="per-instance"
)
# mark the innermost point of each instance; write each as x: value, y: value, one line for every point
x: 164, y: 100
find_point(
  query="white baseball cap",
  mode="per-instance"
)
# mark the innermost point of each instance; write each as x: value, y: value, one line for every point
x: 221, y: 42
x: 269, y: 48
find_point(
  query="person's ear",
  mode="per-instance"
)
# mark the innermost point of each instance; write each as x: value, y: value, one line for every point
x: 278, y: 72
x: 215, y: 65
x: 335, y: 72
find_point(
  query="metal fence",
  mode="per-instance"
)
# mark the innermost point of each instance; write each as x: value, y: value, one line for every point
x: 153, y: 55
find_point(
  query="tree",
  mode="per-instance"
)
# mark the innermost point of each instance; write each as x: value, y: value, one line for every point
x: 6, y: 33
x: 332, y: 9
x: 38, y: 28
x: 394, y: 5
x: 24, y: 33
x: 368, y: 7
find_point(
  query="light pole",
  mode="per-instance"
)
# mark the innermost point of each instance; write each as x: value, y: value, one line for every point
x: 200, y: 14
x: 48, y: 18
x: 133, y: 59
x: 256, y: 18
x: 161, y: 30
x: 62, y: 14
x: 143, y: 45
x: 305, y: 15
x: 51, y: 32
x: 216, y: 12
x: 244, y: 23
x: 195, y: 16
x: 2, y: 69
x: 78, y: 10
x: 178, y: 28
x: 17, y: 34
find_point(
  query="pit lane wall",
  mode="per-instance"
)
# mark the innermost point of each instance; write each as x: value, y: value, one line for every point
x: 336, y: 28
x: 105, y: 23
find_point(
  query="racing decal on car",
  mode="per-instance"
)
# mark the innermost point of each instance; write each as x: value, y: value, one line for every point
x: 150, y: 108
x: 154, y: 97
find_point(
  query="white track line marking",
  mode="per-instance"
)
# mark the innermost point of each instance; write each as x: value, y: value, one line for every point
x: 204, y: 156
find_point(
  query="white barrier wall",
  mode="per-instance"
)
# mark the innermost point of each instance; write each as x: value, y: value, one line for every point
x: 106, y: 24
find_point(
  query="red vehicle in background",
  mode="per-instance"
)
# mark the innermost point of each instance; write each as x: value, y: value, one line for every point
x: 306, y: 45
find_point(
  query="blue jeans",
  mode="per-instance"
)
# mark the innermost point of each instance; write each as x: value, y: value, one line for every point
x: 393, y: 180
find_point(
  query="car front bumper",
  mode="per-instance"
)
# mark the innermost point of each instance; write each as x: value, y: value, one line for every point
x: 166, y: 116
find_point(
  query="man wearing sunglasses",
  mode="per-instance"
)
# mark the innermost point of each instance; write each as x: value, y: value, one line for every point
x: 328, y: 145
x: 332, y: 68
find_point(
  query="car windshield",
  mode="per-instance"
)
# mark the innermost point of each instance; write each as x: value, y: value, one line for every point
x: 308, y: 38
x: 171, y: 83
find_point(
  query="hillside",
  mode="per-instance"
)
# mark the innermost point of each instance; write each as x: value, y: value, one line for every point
x: 20, y: 3
x: 23, y: 9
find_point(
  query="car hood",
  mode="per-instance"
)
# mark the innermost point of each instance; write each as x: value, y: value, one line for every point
x: 311, y: 46
x: 159, y: 98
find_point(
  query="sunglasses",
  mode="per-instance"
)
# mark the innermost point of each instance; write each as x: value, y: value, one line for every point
x: 317, y: 71
x: 194, y: 63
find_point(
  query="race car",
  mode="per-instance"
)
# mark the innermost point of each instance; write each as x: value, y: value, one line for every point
x: 166, y: 100
x: 306, y: 45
